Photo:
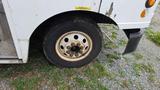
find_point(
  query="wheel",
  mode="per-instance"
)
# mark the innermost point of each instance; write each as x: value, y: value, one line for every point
x: 72, y: 43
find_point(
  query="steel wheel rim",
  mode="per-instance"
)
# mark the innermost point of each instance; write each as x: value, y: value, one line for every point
x: 74, y: 46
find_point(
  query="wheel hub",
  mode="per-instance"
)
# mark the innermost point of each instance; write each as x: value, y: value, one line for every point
x: 73, y: 46
x: 75, y: 49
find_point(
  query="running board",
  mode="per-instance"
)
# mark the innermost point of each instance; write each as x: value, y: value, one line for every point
x: 8, y: 57
x: 11, y: 61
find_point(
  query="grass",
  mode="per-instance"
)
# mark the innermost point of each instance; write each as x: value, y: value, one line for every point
x: 125, y: 83
x: 91, y: 85
x: 98, y: 71
x: 109, y: 45
x: 25, y: 83
x: 112, y: 57
x: 114, y: 35
x: 151, y: 78
x: 138, y: 56
x: 38, y: 73
x: 122, y: 73
x: 153, y: 36
x: 139, y: 68
x: 122, y: 42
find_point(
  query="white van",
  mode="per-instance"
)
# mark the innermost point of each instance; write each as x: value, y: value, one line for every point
x: 67, y: 30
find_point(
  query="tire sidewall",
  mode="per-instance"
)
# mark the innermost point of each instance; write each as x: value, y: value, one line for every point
x: 60, y: 29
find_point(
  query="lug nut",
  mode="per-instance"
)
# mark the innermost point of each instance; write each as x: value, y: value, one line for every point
x: 68, y: 47
x: 72, y: 44
x: 71, y: 55
x: 78, y: 44
x: 68, y: 52
x: 76, y: 54
x: 81, y: 47
x: 81, y: 52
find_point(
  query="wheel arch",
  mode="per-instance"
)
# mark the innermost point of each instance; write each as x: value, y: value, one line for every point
x: 39, y: 33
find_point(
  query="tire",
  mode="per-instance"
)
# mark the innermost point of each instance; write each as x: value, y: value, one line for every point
x: 54, y: 40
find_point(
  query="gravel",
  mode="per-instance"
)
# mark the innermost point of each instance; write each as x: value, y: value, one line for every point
x: 149, y: 55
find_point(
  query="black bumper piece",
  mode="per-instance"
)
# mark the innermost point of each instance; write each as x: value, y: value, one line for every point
x: 134, y: 36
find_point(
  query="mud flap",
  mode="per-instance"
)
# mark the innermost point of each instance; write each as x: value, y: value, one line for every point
x: 134, y: 36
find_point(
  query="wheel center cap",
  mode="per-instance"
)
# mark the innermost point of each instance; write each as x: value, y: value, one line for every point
x: 75, y: 49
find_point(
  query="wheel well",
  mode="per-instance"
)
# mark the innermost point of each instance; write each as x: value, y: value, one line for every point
x: 36, y: 38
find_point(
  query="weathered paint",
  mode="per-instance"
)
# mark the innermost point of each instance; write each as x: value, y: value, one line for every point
x: 24, y: 16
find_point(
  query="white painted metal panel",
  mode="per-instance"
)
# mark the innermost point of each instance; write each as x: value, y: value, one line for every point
x: 126, y: 13
x: 28, y: 14
x: 24, y: 16
x: 12, y: 28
